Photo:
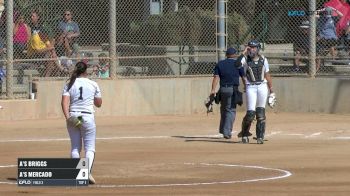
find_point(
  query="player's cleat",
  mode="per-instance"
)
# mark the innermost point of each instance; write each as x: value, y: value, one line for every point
x: 245, y: 140
x: 260, y: 140
x: 227, y: 136
x: 91, y: 180
x: 240, y: 134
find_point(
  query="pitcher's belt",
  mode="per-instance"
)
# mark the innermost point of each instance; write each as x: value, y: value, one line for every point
x: 83, y: 112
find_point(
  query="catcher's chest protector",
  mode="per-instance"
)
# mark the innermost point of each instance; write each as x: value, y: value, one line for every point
x: 255, y: 70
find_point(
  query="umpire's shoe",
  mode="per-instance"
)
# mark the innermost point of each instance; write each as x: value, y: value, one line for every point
x: 240, y: 134
x: 91, y: 180
x: 245, y: 139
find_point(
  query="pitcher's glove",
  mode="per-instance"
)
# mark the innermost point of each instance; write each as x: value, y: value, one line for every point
x: 272, y: 100
x: 75, y: 121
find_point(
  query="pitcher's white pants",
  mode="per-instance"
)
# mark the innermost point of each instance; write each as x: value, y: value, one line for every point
x: 85, y: 134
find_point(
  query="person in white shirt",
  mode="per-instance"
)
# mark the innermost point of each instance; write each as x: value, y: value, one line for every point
x: 79, y: 97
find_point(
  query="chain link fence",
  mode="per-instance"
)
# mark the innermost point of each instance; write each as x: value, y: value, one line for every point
x: 162, y: 38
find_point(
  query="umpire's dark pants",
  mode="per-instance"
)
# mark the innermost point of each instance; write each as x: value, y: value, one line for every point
x: 228, y: 110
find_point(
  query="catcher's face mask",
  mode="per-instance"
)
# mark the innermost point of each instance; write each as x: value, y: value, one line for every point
x: 253, y: 51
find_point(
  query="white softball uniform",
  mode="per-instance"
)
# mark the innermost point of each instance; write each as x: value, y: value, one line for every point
x: 82, y: 95
x: 256, y: 94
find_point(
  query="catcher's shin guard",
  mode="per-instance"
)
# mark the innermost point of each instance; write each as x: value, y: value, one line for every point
x: 260, y: 125
x: 247, y: 121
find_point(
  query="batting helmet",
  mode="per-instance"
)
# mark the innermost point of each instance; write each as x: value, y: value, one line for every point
x: 254, y: 43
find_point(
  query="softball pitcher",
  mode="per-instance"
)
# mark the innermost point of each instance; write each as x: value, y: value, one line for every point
x: 258, y: 86
x: 78, y: 100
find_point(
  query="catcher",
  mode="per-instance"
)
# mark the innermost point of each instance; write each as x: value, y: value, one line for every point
x: 228, y: 73
x: 258, y: 88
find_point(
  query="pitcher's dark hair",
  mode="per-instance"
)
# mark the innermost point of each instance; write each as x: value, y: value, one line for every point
x: 80, y: 68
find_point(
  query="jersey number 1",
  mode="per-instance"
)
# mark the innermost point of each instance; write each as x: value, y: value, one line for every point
x: 81, y: 93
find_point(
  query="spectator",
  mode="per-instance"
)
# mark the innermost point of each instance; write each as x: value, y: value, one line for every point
x: 21, y: 35
x: 2, y: 9
x: 2, y: 78
x: 2, y: 52
x: 2, y: 6
x: 301, y: 46
x: 69, y: 33
x: 347, y: 36
x: 102, y: 69
x: 40, y: 46
x: 2, y: 73
x: 327, y: 30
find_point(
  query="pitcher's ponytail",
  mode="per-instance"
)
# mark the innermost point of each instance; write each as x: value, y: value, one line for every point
x: 80, y: 68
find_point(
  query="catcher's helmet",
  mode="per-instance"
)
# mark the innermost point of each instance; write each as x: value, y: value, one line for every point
x: 254, y: 43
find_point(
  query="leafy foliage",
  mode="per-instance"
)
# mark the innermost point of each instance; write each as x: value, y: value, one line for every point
x: 185, y: 27
x: 236, y: 28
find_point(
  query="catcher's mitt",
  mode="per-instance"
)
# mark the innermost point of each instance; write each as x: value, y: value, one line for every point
x: 272, y: 100
x: 209, y: 103
x: 75, y: 121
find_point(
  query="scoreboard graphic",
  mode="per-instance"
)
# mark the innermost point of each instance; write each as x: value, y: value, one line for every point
x: 53, y: 172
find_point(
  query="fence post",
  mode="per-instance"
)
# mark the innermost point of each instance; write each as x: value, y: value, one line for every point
x: 312, y: 37
x: 113, y: 38
x: 221, y: 29
x: 9, y: 49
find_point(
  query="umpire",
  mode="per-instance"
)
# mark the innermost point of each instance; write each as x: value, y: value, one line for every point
x: 227, y: 72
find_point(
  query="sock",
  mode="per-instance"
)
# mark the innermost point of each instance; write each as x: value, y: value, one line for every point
x: 91, y: 156
x: 75, y: 153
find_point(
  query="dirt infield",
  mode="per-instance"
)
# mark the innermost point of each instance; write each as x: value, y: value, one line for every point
x: 306, y: 154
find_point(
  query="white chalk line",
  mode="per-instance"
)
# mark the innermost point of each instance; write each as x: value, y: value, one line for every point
x: 273, y: 133
x: 284, y: 172
x: 313, y: 135
x: 285, y: 175
x: 102, y: 138
x: 67, y: 139
x: 35, y: 140
x: 8, y: 183
x: 341, y: 138
x: 295, y: 134
x: 7, y: 166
